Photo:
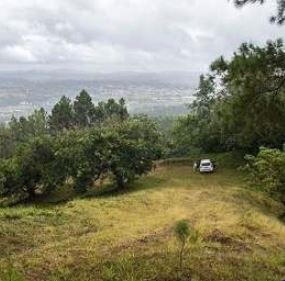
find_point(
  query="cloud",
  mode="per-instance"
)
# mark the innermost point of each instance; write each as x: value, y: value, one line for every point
x: 120, y: 35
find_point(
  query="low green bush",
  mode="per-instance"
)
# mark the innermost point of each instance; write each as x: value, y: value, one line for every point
x: 267, y: 171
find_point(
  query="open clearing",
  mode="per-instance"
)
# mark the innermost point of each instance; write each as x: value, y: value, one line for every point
x: 129, y: 236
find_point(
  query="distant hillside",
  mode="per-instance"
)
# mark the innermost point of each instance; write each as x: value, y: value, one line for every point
x: 152, y: 93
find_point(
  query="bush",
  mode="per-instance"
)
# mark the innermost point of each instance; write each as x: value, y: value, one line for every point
x: 267, y: 171
x: 31, y: 170
x: 184, y: 235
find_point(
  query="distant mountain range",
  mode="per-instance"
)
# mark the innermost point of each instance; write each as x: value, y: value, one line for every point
x: 164, y: 93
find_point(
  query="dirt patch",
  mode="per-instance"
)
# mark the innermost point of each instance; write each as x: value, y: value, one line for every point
x: 219, y: 237
x: 146, y: 240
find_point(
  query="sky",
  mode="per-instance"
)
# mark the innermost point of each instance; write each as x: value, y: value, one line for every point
x: 126, y: 35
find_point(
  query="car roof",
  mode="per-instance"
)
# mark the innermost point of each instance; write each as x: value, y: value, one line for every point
x: 205, y: 161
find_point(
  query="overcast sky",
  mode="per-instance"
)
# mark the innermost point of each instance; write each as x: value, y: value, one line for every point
x: 126, y: 35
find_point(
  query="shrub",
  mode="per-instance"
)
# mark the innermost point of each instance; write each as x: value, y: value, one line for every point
x: 184, y: 235
x: 267, y: 171
x: 31, y: 170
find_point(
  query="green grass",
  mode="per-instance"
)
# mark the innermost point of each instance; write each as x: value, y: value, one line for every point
x: 129, y: 235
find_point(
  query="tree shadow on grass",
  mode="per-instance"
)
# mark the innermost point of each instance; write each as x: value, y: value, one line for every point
x: 110, y: 190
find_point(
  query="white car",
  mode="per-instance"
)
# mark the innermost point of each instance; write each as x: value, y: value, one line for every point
x: 206, y: 166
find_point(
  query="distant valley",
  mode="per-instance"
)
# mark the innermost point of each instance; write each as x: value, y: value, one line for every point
x: 155, y: 94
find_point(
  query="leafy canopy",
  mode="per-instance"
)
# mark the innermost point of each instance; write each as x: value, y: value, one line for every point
x: 240, y: 104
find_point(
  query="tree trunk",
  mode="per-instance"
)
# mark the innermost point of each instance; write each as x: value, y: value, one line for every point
x: 120, y: 182
x: 181, y: 256
x: 32, y: 192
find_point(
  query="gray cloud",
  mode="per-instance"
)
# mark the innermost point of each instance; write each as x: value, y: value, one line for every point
x: 122, y: 35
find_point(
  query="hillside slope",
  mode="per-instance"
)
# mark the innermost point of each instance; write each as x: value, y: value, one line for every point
x: 129, y: 236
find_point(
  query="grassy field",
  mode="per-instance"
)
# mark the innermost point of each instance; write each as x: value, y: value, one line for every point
x: 129, y: 236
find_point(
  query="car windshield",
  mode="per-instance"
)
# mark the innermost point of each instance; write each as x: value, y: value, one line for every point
x: 205, y: 164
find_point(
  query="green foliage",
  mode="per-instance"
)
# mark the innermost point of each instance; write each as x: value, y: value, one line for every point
x: 78, y: 142
x: 7, y: 142
x: 31, y: 169
x: 84, y: 109
x: 240, y: 105
x: 11, y: 274
x: 34, y: 125
x: 197, y: 129
x: 111, y: 111
x: 70, y: 159
x: 121, y: 150
x: 82, y: 113
x: 62, y: 115
x: 9, y: 177
x: 124, y: 150
x: 21, y: 130
x: 135, y: 146
x: 252, y: 111
x: 182, y: 231
x: 267, y: 171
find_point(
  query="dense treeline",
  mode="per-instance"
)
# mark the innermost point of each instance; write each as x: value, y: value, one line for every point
x: 65, y: 115
x: 240, y: 104
x: 78, y: 142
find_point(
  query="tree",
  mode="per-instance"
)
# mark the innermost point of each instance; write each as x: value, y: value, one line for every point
x: 31, y: 170
x: 34, y: 125
x: 121, y: 146
x: 21, y: 130
x: 197, y: 129
x: 240, y: 105
x: 62, y: 115
x: 122, y: 110
x: 7, y: 142
x: 111, y: 110
x: 38, y: 123
x: 280, y: 14
x: 135, y: 145
x: 84, y: 109
x: 204, y: 97
x: 79, y: 155
x: 9, y: 177
x: 124, y: 150
x: 254, y: 83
